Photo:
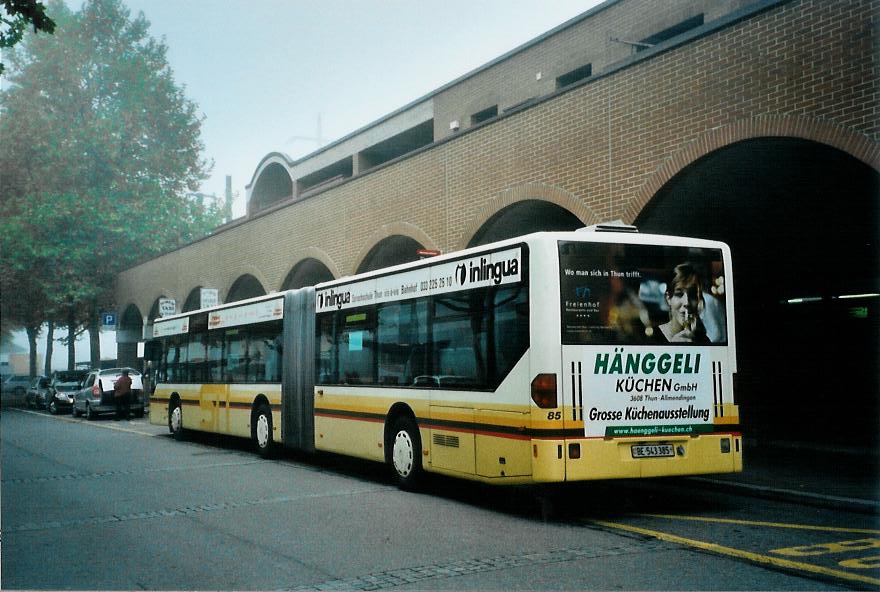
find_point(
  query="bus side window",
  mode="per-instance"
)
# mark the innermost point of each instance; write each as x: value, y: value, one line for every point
x: 460, y: 347
x: 402, y: 341
x: 236, y: 357
x: 214, y: 372
x: 176, y: 359
x: 328, y: 350
x: 354, y: 347
x: 263, y: 365
x: 197, y: 355
x: 510, y: 338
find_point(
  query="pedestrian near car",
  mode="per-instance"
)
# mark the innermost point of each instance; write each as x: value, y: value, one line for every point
x: 122, y: 395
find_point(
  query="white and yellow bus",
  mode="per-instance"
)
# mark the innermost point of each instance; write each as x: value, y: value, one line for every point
x: 552, y: 357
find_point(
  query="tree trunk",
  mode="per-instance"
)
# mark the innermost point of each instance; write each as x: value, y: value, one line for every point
x: 50, y: 336
x: 71, y: 338
x: 94, y: 336
x: 32, y: 333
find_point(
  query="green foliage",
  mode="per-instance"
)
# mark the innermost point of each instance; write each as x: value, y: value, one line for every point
x: 16, y: 15
x: 100, y: 150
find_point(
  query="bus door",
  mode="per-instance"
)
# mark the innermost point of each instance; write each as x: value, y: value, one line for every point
x: 213, y: 390
x: 452, y: 414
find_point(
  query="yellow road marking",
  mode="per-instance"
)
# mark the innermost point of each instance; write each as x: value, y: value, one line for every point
x: 740, y: 554
x: 828, y: 548
x: 760, y: 523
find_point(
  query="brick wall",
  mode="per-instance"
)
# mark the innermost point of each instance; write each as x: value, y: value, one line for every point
x: 803, y: 69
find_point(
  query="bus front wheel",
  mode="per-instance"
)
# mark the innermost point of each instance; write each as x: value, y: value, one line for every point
x: 262, y: 430
x: 406, y: 453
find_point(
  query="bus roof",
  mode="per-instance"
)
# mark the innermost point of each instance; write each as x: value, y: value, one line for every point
x: 601, y: 233
x: 597, y: 234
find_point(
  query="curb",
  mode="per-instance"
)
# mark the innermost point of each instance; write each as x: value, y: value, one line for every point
x: 858, y: 505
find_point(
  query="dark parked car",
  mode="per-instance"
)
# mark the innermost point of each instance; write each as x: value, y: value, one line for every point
x: 64, y: 385
x: 37, y: 393
x: 95, y: 396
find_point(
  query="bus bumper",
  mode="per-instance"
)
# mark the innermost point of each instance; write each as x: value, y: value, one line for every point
x: 590, y: 459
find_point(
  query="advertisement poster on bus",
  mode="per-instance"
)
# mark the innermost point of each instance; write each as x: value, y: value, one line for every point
x: 643, y: 328
x: 642, y: 391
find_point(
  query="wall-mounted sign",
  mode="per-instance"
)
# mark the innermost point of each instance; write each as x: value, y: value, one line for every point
x: 108, y: 320
x: 167, y: 307
x: 209, y: 297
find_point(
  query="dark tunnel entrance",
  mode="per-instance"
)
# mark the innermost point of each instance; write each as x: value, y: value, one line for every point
x: 802, y: 221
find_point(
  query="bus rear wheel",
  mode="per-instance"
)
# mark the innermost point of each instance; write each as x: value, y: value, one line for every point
x: 175, y: 421
x: 261, y: 431
x: 406, y: 454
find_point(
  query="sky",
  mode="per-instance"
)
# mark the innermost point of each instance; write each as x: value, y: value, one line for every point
x: 265, y: 72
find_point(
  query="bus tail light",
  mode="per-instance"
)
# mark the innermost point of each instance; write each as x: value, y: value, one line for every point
x: 544, y: 391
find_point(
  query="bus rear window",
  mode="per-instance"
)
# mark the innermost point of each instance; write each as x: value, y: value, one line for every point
x: 641, y: 294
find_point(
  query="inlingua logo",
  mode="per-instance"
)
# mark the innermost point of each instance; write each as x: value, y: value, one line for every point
x: 496, y: 272
x: 461, y: 273
x: 331, y: 298
x: 481, y: 270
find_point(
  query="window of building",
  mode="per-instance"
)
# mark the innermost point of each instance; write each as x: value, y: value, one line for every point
x: 484, y: 115
x: 575, y: 75
x: 669, y: 33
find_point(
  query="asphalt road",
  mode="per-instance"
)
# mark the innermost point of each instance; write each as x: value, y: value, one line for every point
x: 120, y: 505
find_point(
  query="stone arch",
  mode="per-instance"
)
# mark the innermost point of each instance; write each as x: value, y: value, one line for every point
x: 154, y: 313
x: 245, y: 286
x: 272, y: 183
x: 193, y: 300
x: 236, y: 274
x: 311, y: 264
x: 154, y: 307
x: 802, y: 219
x: 856, y: 145
x: 385, y: 235
x: 522, y: 193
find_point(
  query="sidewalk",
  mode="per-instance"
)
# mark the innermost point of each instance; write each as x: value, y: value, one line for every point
x: 845, y: 479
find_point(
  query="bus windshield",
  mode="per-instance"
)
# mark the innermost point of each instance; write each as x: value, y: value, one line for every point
x: 641, y: 294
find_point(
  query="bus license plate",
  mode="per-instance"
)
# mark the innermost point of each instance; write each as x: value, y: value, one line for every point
x: 652, y: 450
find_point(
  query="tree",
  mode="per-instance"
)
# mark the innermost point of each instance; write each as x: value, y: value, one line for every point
x: 16, y: 15
x: 100, y: 153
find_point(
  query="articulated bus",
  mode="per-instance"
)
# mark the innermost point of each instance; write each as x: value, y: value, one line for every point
x: 552, y: 357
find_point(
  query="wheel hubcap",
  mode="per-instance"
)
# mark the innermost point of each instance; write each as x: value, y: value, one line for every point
x: 175, y: 419
x: 402, y: 453
x: 262, y: 431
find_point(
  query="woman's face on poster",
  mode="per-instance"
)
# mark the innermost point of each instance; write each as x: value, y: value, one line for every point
x: 684, y: 302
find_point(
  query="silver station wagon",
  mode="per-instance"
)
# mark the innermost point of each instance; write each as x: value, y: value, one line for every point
x: 95, y: 396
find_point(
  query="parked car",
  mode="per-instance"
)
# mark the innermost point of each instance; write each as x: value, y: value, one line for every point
x: 95, y: 396
x: 63, y: 386
x: 37, y: 393
x: 17, y: 384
